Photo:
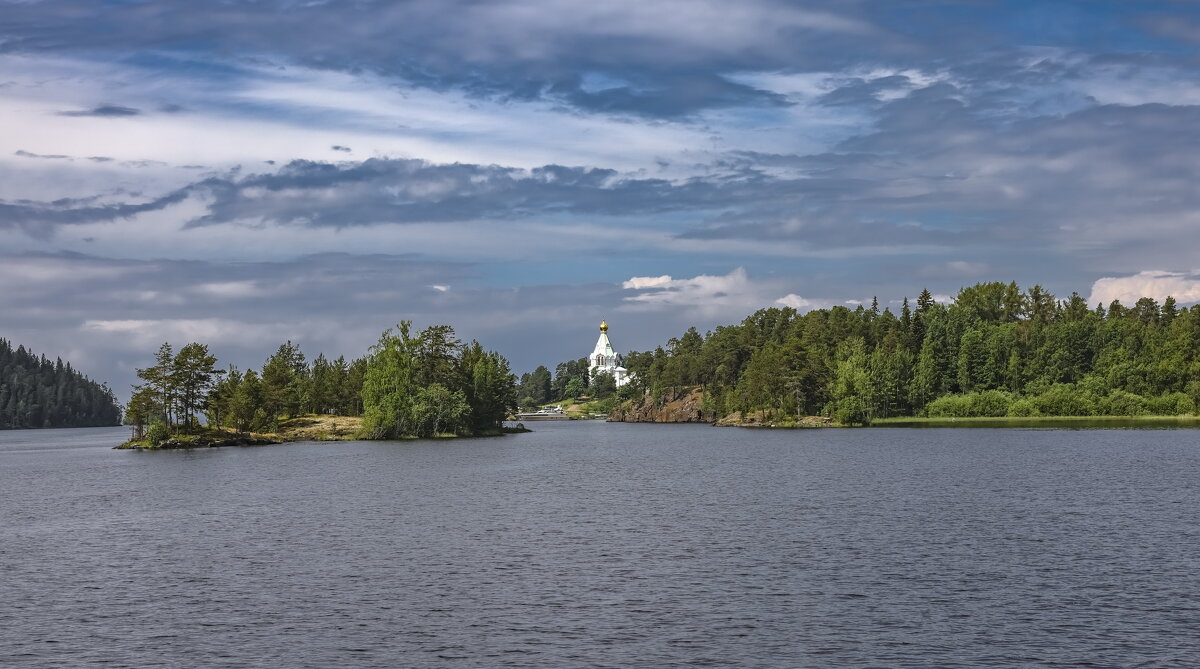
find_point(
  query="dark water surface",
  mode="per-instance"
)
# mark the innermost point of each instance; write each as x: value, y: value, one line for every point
x: 606, y: 545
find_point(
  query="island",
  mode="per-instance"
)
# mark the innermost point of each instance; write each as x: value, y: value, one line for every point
x: 409, y: 385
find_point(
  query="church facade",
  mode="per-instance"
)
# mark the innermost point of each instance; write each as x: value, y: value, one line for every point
x: 604, y: 360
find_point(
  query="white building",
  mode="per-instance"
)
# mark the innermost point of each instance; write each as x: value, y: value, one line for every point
x: 604, y: 360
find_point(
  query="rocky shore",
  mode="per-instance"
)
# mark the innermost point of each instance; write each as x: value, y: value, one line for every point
x: 686, y: 406
x: 208, y: 439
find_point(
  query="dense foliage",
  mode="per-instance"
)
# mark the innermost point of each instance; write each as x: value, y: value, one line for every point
x: 995, y: 351
x: 286, y: 386
x: 571, y: 380
x: 420, y: 386
x: 180, y: 386
x: 431, y: 384
x: 35, y: 392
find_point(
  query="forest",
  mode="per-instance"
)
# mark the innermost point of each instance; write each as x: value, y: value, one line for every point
x: 994, y: 351
x: 36, y: 392
x: 408, y: 385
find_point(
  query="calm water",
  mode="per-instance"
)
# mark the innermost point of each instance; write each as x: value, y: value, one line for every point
x: 606, y: 545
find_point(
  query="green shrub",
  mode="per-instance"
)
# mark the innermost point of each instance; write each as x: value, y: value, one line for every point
x: 949, y: 406
x: 1121, y: 403
x: 1023, y: 408
x: 1064, y: 399
x: 990, y: 403
x: 1171, y: 404
x: 158, y: 433
x: 852, y: 410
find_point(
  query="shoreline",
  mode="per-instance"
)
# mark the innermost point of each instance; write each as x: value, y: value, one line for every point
x: 1042, y: 421
x: 1015, y: 422
x: 316, y: 428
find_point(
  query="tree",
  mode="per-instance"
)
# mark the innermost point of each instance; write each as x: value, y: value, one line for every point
x: 143, y: 408
x: 490, y: 393
x: 159, y: 381
x: 283, y: 381
x: 853, y: 395
x: 389, y: 385
x: 536, y: 385
x: 603, y: 386
x: 192, y: 376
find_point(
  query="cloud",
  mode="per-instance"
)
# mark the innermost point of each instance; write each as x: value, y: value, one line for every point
x: 672, y: 53
x: 1157, y: 284
x: 27, y: 154
x: 103, y: 111
x: 381, y: 190
x: 800, y: 303
x: 953, y: 269
x: 703, y: 290
x: 644, y: 282
x: 732, y: 295
x: 333, y: 302
x: 569, y: 153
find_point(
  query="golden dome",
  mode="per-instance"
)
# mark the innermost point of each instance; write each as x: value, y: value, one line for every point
x: 603, y: 326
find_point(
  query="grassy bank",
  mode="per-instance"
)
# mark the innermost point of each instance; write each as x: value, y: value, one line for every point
x: 1079, y: 422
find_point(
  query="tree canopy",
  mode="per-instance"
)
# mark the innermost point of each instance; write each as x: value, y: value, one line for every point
x: 407, y: 385
x: 37, y: 392
x: 995, y: 350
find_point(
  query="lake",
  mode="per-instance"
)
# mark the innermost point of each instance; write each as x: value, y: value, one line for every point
x: 587, y: 544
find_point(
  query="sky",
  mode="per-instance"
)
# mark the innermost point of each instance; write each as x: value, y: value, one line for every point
x: 240, y: 173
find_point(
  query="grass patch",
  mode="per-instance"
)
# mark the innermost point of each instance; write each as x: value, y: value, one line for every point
x: 1077, y: 422
x: 321, y: 427
x: 584, y: 407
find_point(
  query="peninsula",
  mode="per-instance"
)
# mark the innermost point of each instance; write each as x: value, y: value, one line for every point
x: 994, y: 351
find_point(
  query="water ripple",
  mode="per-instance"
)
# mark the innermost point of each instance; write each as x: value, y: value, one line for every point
x: 596, y: 545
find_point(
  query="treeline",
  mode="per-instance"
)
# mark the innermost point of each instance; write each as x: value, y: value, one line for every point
x: 539, y: 387
x: 570, y: 380
x: 407, y: 385
x: 37, y: 392
x: 995, y: 351
x: 180, y: 387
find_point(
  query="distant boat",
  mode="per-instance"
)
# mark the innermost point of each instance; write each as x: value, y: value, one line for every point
x: 545, y: 413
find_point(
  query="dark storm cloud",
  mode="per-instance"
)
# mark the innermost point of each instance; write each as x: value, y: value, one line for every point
x: 40, y: 219
x: 935, y: 171
x: 1101, y: 180
x: 394, y: 191
x: 666, y: 96
x: 664, y: 59
x: 53, y: 156
x: 103, y: 111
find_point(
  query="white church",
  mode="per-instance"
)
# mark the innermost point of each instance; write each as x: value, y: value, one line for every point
x: 604, y: 360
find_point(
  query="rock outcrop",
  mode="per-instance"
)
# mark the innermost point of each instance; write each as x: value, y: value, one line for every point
x: 682, y: 407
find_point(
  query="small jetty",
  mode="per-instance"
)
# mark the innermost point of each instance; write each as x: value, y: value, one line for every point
x: 545, y: 413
